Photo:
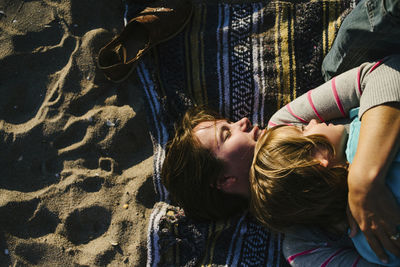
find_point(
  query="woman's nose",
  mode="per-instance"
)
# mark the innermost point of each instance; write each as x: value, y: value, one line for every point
x: 243, y: 124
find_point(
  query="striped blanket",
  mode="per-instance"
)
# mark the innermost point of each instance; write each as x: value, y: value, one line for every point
x: 245, y: 59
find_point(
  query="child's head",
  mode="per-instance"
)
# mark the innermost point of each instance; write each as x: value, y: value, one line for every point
x: 293, y: 181
x: 207, y: 164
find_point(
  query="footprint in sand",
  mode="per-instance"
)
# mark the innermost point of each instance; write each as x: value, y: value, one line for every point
x: 27, y: 219
x: 146, y: 190
x: 106, y: 257
x: 42, y: 254
x: 21, y: 169
x: 91, y: 184
x: 18, y: 70
x: 86, y: 224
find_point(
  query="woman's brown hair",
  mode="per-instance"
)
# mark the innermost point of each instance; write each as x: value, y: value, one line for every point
x: 190, y: 172
x: 289, y: 186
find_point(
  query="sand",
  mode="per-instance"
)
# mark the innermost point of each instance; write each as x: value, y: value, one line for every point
x: 75, y: 153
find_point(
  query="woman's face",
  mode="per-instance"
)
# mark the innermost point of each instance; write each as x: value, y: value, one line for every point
x: 234, y: 144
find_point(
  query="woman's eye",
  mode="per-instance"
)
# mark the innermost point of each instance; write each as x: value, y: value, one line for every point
x: 227, y: 134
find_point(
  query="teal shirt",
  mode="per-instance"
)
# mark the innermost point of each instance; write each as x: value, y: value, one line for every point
x: 392, y: 181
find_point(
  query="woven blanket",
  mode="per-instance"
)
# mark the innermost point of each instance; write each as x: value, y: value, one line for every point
x: 245, y: 60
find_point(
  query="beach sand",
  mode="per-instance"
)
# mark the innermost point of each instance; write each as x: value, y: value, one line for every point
x: 75, y: 153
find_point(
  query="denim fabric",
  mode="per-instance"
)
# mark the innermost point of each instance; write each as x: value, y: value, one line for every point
x: 370, y: 32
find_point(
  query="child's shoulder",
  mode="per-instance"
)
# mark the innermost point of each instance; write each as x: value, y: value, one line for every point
x: 316, y: 236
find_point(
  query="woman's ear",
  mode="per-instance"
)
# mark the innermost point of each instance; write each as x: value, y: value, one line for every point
x: 226, y: 183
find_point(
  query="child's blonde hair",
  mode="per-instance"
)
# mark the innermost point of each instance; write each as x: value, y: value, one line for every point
x: 289, y: 186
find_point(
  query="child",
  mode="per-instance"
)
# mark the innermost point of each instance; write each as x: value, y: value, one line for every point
x: 370, y: 202
x: 299, y: 177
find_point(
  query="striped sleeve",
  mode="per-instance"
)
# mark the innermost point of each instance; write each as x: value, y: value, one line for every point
x: 380, y: 84
x: 329, y: 101
x: 366, y: 86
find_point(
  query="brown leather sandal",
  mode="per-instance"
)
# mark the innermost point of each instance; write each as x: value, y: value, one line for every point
x: 155, y: 24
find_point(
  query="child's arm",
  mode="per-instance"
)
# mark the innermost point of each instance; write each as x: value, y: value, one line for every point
x: 309, y: 247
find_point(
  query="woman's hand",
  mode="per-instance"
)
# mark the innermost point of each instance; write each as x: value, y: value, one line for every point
x: 371, y: 203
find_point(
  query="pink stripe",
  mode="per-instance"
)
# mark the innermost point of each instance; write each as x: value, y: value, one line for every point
x: 313, y: 107
x: 339, y: 104
x: 356, y: 261
x: 359, y: 74
x: 375, y: 66
x: 270, y: 123
x: 294, y: 115
x: 358, y: 81
x: 331, y: 257
x: 309, y: 251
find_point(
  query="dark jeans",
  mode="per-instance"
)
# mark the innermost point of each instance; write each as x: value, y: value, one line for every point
x: 370, y: 32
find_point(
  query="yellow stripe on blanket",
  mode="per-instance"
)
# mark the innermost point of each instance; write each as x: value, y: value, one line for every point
x: 285, y: 60
x: 194, y: 43
x: 331, y: 20
x: 213, y: 235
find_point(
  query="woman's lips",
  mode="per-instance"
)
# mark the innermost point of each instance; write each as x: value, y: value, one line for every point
x: 256, y: 132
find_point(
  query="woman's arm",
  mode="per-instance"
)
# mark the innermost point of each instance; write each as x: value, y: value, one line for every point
x: 371, y: 202
x: 331, y: 100
x: 366, y: 86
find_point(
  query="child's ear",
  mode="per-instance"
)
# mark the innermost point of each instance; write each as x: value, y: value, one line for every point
x: 322, y: 157
x: 324, y: 162
x: 226, y: 183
